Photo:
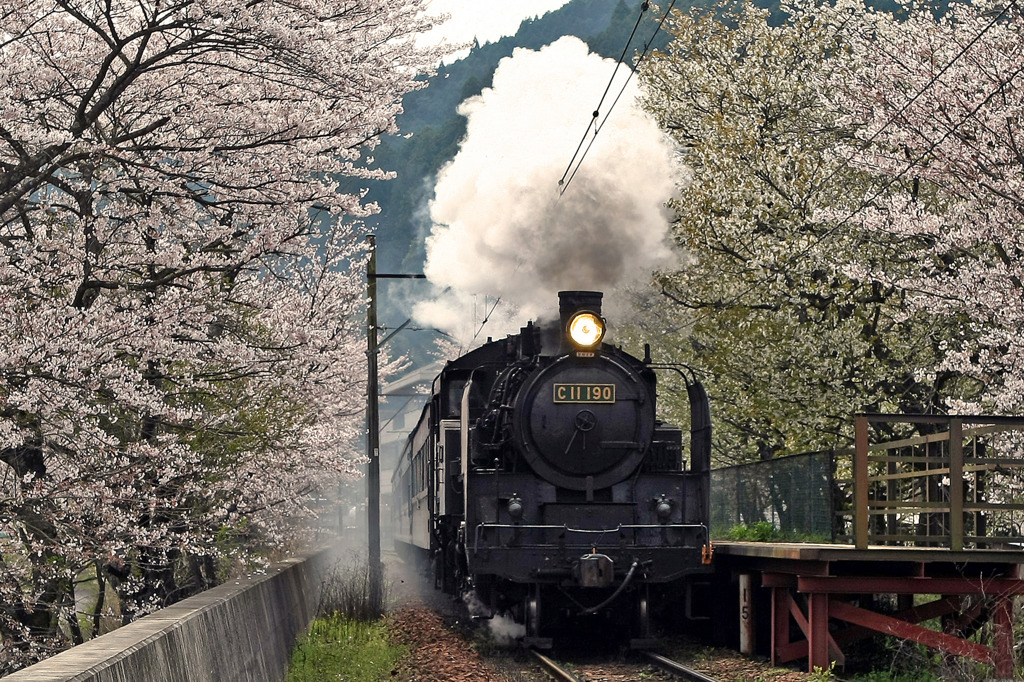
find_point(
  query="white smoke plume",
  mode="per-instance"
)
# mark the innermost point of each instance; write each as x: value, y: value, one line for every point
x: 502, y: 231
x: 503, y: 629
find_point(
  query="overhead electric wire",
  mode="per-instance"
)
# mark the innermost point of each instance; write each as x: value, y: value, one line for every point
x: 597, y: 128
x: 932, y: 145
x: 570, y: 171
x: 597, y: 112
x: 487, y: 317
x: 934, y: 79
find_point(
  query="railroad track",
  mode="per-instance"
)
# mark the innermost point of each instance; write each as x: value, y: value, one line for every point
x: 552, y: 668
x: 678, y: 669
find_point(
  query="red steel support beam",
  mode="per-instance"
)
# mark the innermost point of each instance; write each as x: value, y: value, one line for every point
x: 778, y: 580
x: 1002, y: 619
x: 902, y: 625
x: 784, y: 650
x: 905, y: 630
x: 817, y: 642
x: 780, y: 621
x: 882, y: 585
x: 917, y: 614
x: 790, y: 651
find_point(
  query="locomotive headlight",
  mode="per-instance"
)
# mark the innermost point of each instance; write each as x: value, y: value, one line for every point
x: 586, y: 329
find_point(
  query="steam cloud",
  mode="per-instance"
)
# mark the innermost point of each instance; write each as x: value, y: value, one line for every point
x: 500, y: 228
x: 503, y: 629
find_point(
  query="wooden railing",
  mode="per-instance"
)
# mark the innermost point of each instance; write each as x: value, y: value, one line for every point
x: 960, y: 484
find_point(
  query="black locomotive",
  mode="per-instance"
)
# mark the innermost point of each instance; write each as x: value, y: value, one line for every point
x: 539, y: 476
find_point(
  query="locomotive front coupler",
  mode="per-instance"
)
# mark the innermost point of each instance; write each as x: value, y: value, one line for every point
x: 617, y: 593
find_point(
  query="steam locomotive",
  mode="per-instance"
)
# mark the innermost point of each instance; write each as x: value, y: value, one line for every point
x: 542, y: 479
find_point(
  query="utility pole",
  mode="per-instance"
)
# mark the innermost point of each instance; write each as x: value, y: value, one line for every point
x: 373, y: 433
x: 373, y: 424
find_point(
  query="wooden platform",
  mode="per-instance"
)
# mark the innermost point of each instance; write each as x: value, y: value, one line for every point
x: 813, y: 584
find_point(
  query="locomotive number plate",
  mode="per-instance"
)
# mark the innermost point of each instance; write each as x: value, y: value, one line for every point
x: 584, y: 393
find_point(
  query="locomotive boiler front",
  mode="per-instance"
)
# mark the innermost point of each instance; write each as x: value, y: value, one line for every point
x: 585, y: 420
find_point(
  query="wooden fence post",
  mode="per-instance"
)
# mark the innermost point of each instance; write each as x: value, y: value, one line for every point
x: 861, y: 519
x: 956, y: 484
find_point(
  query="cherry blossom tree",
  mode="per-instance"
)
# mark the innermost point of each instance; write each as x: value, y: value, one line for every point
x: 181, y: 285
x: 937, y: 105
x: 766, y: 308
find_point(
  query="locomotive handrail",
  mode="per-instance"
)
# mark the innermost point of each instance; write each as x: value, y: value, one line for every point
x: 567, y: 529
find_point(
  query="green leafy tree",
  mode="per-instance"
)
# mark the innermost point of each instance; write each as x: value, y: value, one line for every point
x: 764, y: 307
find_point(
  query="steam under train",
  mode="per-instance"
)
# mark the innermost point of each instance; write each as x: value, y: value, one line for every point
x: 539, y: 476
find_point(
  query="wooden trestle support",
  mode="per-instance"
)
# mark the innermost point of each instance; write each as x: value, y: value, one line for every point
x: 813, y: 586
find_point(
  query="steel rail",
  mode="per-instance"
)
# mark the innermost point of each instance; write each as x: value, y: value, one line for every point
x: 677, y: 668
x: 553, y: 669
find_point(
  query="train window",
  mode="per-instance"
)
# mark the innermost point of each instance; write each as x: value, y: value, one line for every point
x: 420, y: 464
x: 452, y: 445
x: 417, y: 472
x: 453, y: 408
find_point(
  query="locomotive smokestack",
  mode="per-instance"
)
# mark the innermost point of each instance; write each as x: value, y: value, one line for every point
x: 571, y: 302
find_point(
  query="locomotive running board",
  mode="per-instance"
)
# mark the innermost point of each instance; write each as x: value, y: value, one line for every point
x: 566, y: 529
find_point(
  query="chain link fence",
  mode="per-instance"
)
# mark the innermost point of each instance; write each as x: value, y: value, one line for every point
x: 793, y: 494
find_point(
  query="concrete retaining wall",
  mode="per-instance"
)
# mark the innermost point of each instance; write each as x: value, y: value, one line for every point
x: 243, y: 630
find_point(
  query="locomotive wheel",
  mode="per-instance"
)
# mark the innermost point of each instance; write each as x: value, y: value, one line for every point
x: 643, y: 615
x: 641, y: 621
x: 533, y: 616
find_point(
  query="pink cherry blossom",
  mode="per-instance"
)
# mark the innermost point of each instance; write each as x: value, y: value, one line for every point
x: 181, y: 283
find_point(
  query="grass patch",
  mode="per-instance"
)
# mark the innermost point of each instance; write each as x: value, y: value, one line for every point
x: 348, y: 640
x: 339, y: 648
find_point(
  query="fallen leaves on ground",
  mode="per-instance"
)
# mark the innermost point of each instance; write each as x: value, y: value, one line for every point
x: 436, y: 651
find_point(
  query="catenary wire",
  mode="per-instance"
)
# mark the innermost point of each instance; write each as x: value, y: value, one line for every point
x: 598, y: 126
x: 932, y: 81
x: 563, y: 183
x: 487, y: 317
x: 597, y: 112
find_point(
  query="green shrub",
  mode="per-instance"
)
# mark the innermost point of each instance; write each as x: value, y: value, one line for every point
x: 765, y: 531
x: 762, y: 531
